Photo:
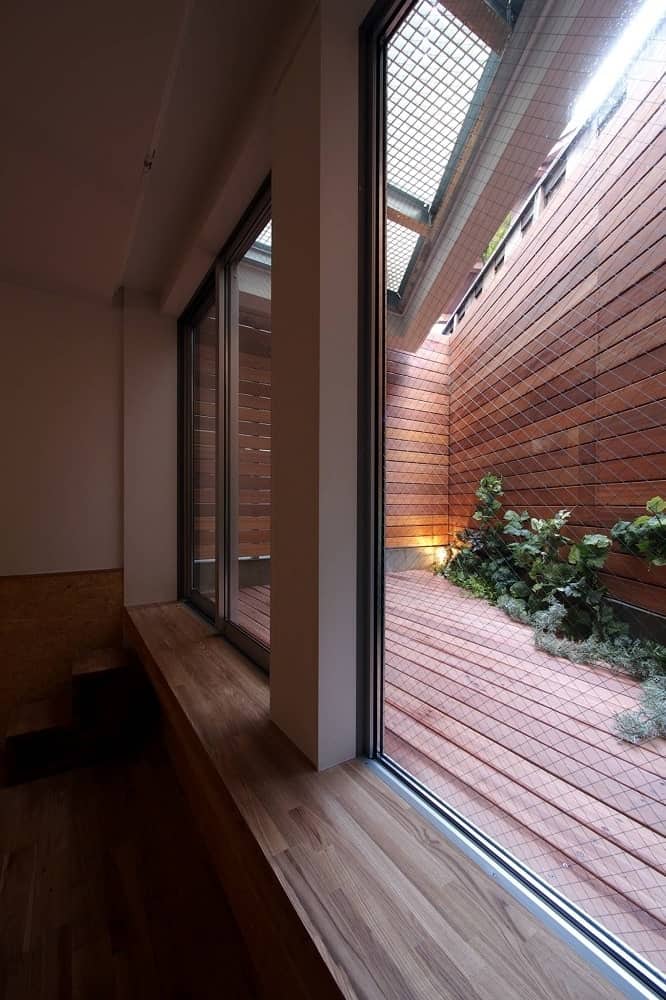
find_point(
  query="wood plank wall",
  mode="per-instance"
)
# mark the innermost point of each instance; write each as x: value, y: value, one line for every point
x: 254, y: 416
x: 417, y: 443
x: 254, y: 425
x: 204, y: 432
x: 558, y: 370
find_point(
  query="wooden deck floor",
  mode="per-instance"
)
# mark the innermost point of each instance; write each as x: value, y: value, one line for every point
x: 253, y: 612
x: 522, y: 744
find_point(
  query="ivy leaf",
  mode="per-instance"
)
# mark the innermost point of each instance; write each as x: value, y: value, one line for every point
x: 591, y: 551
x: 600, y: 541
x: 656, y: 505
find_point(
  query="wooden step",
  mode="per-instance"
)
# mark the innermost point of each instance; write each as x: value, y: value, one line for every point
x: 102, y: 661
x: 102, y: 682
x: 39, y: 739
x: 113, y: 703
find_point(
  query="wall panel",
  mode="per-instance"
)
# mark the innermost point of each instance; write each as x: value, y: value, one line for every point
x: 254, y: 442
x: 417, y: 445
x: 558, y: 371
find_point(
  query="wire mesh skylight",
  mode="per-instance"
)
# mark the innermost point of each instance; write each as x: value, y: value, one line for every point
x: 400, y: 246
x: 434, y: 65
x: 265, y: 237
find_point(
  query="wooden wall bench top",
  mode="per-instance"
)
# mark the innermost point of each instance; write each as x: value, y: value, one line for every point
x: 340, y: 886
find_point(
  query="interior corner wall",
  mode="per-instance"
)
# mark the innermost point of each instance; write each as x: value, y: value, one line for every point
x: 150, y: 451
x: 61, y: 497
x: 60, y: 433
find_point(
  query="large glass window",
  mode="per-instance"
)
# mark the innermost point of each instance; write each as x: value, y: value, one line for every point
x: 226, y: 438
x: 250, y: 439
x: 521, y: 397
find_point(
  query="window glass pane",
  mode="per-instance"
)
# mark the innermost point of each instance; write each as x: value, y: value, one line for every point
x: 204, y: 436
x: 524, y: 439
x: 250, y: 442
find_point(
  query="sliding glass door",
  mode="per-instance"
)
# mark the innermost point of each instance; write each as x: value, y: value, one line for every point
x: 250, y: 438
x: 226, y: 439
x: 199, y: 417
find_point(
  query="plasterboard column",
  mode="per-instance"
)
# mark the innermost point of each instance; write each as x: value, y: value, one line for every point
x: 314, y: 436
x: 338, y: 391
x: 295, y: 399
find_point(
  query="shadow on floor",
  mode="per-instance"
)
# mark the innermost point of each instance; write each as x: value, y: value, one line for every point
x: 106, y: 891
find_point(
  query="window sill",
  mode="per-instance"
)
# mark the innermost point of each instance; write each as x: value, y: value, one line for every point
x: 341, y: 887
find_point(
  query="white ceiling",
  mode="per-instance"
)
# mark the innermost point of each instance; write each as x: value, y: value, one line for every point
x: 87, y: 91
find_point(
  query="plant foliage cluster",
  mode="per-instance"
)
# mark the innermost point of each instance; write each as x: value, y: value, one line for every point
x: 646, y: 536
x: 537, y: 574
x: 497, y: 238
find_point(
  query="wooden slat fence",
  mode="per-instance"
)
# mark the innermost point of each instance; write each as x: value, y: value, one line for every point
x: 254, y: 442
x: 254, y: 429
x: 204, y: 438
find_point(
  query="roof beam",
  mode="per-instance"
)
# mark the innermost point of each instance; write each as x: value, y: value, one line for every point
x: 407, y: 210
x: 407, y: 221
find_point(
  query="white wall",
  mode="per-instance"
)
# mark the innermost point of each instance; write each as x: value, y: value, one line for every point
x: 88, y: 438
x: 60, y: 433
x: 150, y: 451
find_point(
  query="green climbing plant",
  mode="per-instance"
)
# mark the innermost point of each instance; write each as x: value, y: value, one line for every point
x: 538, y: 575
x: 497, y: 238
x: 645, y: 537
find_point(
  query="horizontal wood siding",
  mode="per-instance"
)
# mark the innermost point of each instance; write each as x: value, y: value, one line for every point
x: 254, y: 441
x: 558, y: 370
x: 417, y: 445
x: 204, y: 390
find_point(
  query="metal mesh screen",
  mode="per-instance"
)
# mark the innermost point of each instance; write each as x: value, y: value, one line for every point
x: 400, y: 244
x: 265, y: 237
x: 434, y: 65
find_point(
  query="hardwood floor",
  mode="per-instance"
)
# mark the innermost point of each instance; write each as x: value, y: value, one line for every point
x: 522, y: 744
x: 106, y: 891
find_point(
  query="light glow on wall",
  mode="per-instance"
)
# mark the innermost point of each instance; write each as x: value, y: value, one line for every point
x: 616, y: 63
x: 442, y: 555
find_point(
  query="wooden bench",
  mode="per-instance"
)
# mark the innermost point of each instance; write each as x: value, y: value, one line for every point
x: 341, y: 888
